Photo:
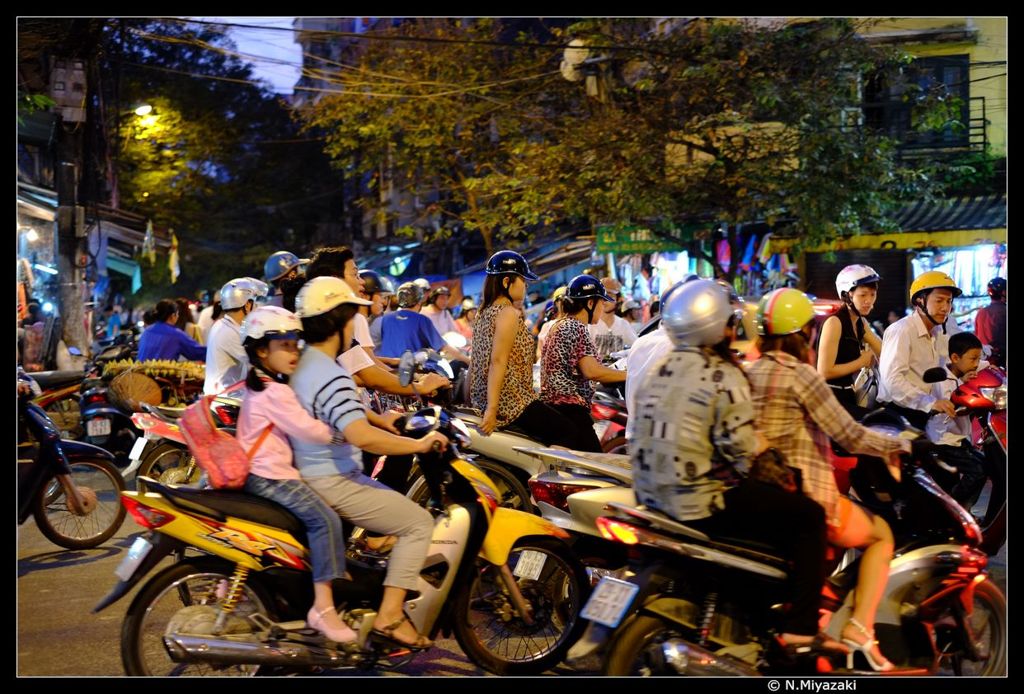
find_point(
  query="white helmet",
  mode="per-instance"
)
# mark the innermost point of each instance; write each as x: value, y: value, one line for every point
x: 321, y: 294
x: 696, y: 313
x: 237, y: 292
x: 853, y: 276
x: 271, y: 321
x: 423, y: 283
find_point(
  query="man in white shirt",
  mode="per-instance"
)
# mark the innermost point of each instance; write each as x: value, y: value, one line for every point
x: 611, y: 333
x: 911, y: 346
x: 226, y: 360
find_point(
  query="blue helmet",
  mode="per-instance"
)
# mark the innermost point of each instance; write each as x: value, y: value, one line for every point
x: 279, y: 264
x: 509, y: 261
x: 586, y: 287
x: 374, y: 283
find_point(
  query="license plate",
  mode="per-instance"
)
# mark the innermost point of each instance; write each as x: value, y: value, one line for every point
x: 600, y: 428
x: 136, y: 553
x: 530, y: 564
x: 610, y: 601
x: 137, y: 448
x: 98, y: 427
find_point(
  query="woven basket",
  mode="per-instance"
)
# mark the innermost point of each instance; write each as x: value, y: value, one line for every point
x: 129, y: 389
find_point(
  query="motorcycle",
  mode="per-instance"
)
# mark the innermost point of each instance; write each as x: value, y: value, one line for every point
x: 983, y: 398
x: 705, y: 603
x: 59, y: 399
x: 161, y: 452
x: 495, y: 454
x: 502, y: 581
x: 609, y: 414
x: 70, y: 488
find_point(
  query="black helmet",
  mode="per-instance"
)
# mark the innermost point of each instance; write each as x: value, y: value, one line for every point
x: 376, y: 283
x: 997, y: 287
x: 409, y: 294
x: 436, y: 292
x: 586, y: 287
x: 509, y: 261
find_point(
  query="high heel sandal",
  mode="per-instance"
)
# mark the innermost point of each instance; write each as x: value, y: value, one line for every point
x: 315, y: 619
x: 421, y: 643
x: 866, y: 649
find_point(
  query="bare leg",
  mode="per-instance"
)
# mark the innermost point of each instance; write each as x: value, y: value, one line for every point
x: 875, y: 535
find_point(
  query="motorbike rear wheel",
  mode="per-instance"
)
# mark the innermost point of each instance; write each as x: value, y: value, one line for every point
x: 634, y: 647
x: 189, y: 583
x: 101, y: 483
x: 488, y: 627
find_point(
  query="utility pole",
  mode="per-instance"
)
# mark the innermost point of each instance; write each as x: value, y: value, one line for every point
x: 67, y: 82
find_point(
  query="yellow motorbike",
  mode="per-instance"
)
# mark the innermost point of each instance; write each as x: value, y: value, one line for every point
x: 503, y: 581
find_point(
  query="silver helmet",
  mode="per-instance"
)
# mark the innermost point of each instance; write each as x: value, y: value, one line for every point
x: 237, y: 292
x: 696, y: 313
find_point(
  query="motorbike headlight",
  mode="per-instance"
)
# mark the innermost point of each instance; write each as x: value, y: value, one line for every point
x: 996, y: 395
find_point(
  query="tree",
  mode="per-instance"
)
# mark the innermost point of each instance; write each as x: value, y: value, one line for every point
x: 220, y: 159
x: 722, y: 121
x: 428, y: 120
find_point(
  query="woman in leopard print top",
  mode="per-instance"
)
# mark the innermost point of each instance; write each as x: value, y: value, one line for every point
x: 501, y: 369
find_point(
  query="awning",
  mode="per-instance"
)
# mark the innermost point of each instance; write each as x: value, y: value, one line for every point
x: 126, y: 267
x: 956, y: 223
x: 572, y: 253
x: 37, y: 202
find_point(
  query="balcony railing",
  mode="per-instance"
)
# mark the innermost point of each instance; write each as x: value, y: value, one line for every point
x: 895, y: 120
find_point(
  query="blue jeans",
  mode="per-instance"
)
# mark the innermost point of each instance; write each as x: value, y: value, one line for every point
x: 323, y: 525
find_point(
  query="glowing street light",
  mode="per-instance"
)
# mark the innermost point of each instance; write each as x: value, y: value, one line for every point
x: 144, y: 110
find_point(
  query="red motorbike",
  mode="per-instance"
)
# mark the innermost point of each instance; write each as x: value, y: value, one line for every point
x: 609, y: 414
x: 983, y: 398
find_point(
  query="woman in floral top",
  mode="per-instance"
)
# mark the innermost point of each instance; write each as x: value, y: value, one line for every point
x: 501, y: 368
x: 569, y: 360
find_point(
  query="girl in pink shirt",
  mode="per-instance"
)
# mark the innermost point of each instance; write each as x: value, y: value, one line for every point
x: 271, y: 412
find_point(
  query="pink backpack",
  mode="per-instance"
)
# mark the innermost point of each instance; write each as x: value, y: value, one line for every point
x: 217, y: 452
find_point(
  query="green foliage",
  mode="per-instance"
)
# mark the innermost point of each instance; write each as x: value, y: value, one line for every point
x: 722, y: 119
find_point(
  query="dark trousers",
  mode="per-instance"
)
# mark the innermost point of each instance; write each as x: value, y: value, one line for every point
x: 548, y: 425
x: 792, y: 523
x: 971, y: 466
x: 586, y: 437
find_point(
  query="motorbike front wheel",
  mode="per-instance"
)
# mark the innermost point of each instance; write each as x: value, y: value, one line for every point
x: 514, y: 494
x: 492, y: 632
x: 100, y: 485
x: 987, y: 622
x: 160, y: 604
x: 169, y: 463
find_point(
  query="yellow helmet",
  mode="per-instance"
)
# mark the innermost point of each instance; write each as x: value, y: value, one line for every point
x: 783, y: 312
x: 559, y: 293
x: 933, y: 279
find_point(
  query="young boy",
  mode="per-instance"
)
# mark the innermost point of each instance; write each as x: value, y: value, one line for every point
x: 953, y: 434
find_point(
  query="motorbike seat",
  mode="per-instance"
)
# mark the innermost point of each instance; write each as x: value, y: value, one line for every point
x: 56, y: 379
x: 223, y: 503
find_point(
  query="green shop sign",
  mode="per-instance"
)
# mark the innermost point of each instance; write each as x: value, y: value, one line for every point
x: 650, y: 238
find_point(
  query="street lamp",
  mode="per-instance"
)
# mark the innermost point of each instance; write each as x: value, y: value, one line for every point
x: 31, y: 234
x: 143, y: 110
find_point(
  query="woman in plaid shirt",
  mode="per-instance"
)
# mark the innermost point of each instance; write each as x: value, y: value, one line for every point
x: 798, y: 413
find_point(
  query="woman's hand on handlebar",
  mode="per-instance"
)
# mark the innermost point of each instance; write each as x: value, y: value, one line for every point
x: 489, y: 422
x: 434, y: 441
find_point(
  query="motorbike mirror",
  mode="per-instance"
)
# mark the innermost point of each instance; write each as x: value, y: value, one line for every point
x: 406, y: 366
x: 936, y: 374
x: 74, y: 351
x: 456, y: 340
